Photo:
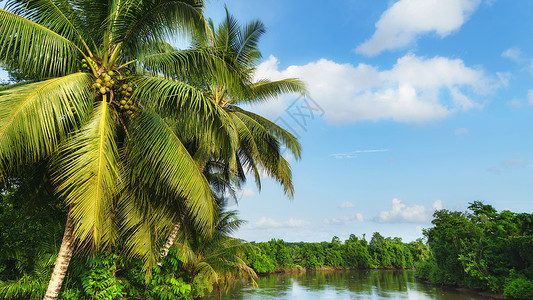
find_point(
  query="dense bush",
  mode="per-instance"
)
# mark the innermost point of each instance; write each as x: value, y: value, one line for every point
x: 481, y: 249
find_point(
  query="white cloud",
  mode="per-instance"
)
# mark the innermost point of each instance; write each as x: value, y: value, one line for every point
x: 514, y: 54
x: 414, y: 90
x: 400, y: 212
x: 345, y: 219
x: 265, y: 222
x: 406, y: 20
x: 346, y: 204
x: 437, y: 205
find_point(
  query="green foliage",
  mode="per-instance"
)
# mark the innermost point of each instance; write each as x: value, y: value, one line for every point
x: 518, y: 288
x: 355, y: 252
x: 481, y: 248
x: 99, y: 282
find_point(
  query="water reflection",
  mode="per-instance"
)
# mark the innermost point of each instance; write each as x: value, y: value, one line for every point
x: 375, y: 284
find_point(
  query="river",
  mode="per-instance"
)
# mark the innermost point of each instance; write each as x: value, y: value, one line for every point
x: 349, y: 284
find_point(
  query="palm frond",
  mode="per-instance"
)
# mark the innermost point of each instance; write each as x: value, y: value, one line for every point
x: 265, y: 90
x: 35, y: 48
x: 269, y: 159
x: 285, y: 137
x: 58, y: 16
x: 155, y: 20
x: 249, y: 36
x: 35, y: 117
x: 161, y: 160
x: 89, y: 176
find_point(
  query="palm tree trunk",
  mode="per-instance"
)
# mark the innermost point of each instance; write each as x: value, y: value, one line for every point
x: 170, y: 241
x: 62, y: 262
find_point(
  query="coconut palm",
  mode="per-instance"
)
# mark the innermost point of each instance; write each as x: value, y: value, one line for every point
x: 259, y: 140
x: 101, y: 110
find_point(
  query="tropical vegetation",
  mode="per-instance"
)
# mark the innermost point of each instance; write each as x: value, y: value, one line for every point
x: 357, y: 253
x: 482, y: 249
x: 116, y: 128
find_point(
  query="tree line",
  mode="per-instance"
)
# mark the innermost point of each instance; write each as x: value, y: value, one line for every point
x: 279, y: 256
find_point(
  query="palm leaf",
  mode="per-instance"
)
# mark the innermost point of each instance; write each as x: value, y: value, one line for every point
x: 58, y: 16
x: 89, y: 176
x: 264, y: 90
x: 286, y: 138
x: 35, y: 117
x: 161, y: 160
x: 155, y: 20
x: 36, y: 49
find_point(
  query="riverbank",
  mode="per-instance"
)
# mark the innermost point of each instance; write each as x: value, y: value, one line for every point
x: 461, y: 289
x: 300, y: 269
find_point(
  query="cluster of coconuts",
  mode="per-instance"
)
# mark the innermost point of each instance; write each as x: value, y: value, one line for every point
x: 122, y: 90
x: 126, y: 103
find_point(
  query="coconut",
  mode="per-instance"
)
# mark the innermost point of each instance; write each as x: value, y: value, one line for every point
x: 97, y: 85
x: 102, y: 90
x: 124, y: 86
x: 110, y: 73
x: 98, y: 80
x: 126, y: 106
x: 129, y: 89
x: 123, y: 102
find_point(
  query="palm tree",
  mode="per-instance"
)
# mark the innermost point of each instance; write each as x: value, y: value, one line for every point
x: 101, y: 110
x: 258, y: 139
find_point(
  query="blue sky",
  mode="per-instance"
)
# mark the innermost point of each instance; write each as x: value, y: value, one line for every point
x: 421, y: 105
x: 416, y: 105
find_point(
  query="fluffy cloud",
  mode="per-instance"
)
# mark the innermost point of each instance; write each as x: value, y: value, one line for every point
x: 346, y: 204
x: 406, y: 20
x: 344, y: 219
x: 414, y: 90
x: 265, y: 222
x: 400, y: 212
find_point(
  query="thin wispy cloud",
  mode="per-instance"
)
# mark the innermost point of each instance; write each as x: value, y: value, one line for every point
x: 353, y: 154
x: 266, y: 223
x: 344, y: 219
x: 346, y: 204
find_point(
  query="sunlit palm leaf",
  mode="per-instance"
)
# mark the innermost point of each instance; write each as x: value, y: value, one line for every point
x: 58, y: 16
x: 36, y: 49
x: 89, y: 176
x: 161, y: 160
x: 35, y: 117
